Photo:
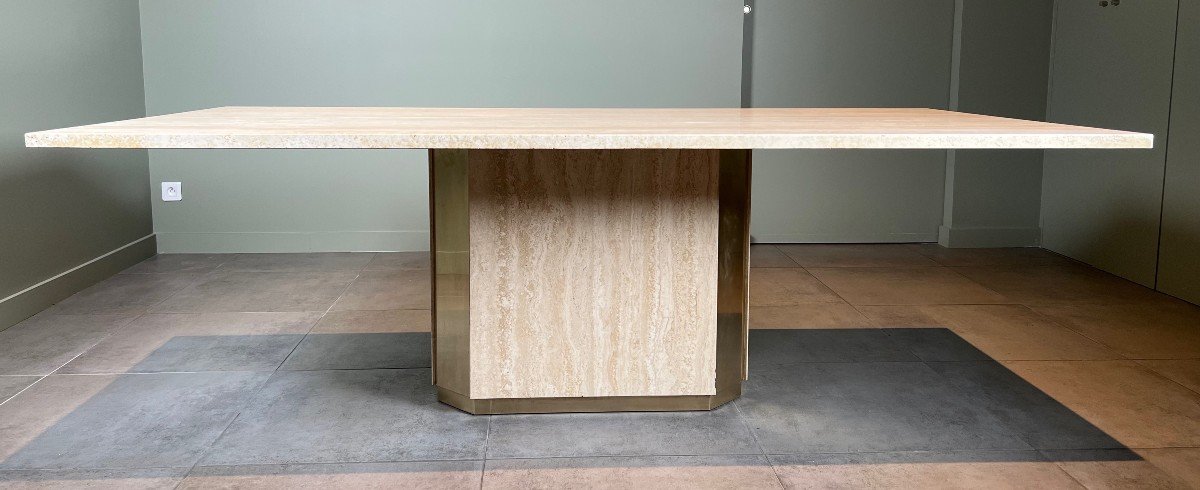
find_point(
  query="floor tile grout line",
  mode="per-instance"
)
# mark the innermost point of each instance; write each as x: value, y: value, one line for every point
x: 952, y: 270
x: 92, y: 346
x: 1086, y: 266
x: 155, y: 373
x: 94, y: 468
x: 948, y: 269
x: 145, y: 309
x: 984, y: 403
x: 332, y: 463
x: 757, y: 443
x: 487, y: 440
x: 1078, y: 332
x: 784, y: 254
x: 906, y: 246
x: 1162, y: 376
x: 294, y: 271
x: 212, y: 312
x: 203, y: 452
x: 202, y: 271
x: 14, y: 395
x: 775, y: 367
x: 318, y: 320
x: 193, y: 282
x: 297, y: 346
x: 614, y: 456
x: 629, y: 456
x: 242, y: 371
x: 51, y: 373
x: 1069, y: 475
x: 835, y: 293
x: 199, y: 463
x: 939, y: 451
x: 1041, y: 452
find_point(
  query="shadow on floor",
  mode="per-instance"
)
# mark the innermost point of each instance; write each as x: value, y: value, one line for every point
x: 248, y: 405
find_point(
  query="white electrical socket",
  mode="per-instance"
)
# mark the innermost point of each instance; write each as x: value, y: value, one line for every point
x: 172, y: 191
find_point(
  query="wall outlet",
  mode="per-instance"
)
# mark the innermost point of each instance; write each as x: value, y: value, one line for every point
x: 172, y: 191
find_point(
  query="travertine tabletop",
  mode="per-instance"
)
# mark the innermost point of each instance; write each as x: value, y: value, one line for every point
x: 398, y: 127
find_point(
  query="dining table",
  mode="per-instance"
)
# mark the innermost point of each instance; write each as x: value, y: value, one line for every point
x: 587, y: 259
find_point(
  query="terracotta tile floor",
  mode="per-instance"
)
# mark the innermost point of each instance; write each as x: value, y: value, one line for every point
x: 895, y: 366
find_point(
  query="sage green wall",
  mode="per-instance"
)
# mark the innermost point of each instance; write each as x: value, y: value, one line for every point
x: 1179, y: 258
x: 65, y: 63
x: 541, y: 53
x: 583, y: 53
x: 1110, y: 67
x: 855, y: 53
x: 993, y: 197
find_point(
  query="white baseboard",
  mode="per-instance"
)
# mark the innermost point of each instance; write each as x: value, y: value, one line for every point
x: 264, y: 242
x: 989, y: 237
x: 882, y: 237
x: 33, y: 299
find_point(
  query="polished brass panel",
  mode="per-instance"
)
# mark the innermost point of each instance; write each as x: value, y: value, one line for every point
x: 492, y: 406
x: 450, y: 243
x: 432, y: 269
x: 733, y: 286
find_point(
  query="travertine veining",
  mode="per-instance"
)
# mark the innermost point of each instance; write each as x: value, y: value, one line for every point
x: 398, y: 127
x: 593, y: 273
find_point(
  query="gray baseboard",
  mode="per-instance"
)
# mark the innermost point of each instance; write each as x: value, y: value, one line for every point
x: 989, y: 237
x: 881, y: 237
x: 40, y: 296
x: 281, y: 242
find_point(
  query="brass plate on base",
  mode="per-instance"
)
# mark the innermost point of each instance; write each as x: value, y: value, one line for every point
x: 497, y: 406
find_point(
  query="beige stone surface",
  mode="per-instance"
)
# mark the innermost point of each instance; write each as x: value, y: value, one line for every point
x: 401, y: 127
x: 593, y: 273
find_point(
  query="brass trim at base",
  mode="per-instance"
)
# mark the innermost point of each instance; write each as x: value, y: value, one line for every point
x: 496, y: 406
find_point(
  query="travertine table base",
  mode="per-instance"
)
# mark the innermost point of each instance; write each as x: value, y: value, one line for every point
x: 589, y: 280
x: 586, y: 259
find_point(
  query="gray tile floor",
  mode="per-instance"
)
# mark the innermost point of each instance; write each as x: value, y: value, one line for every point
x: 203, y: 371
